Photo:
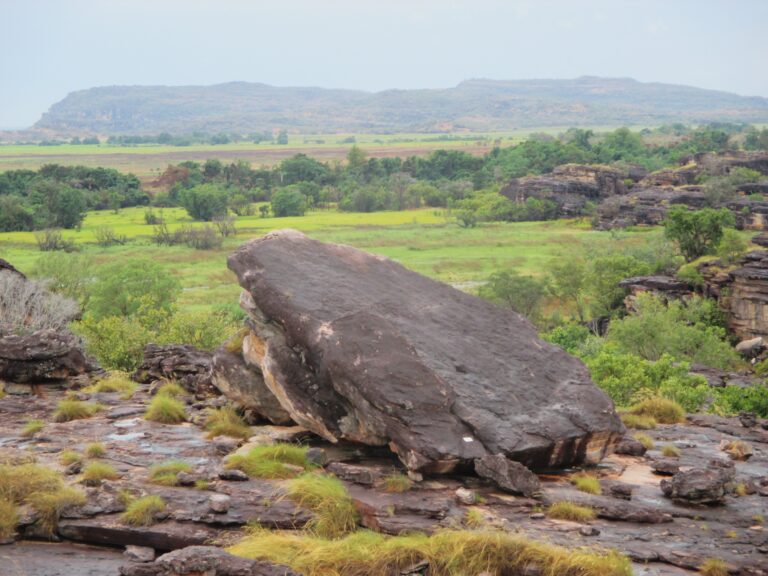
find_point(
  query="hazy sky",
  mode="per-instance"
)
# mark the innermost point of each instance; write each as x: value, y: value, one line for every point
x: 51, y: 47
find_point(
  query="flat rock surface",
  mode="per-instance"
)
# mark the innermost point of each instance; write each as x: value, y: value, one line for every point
x: 357, y: 347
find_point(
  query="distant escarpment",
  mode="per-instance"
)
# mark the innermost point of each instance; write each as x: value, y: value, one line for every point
x: 472, y: 105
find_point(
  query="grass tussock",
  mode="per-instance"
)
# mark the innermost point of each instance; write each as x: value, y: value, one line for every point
x: 663, y: 410
x: 645, y: 440
x: 9, y: 517
x: 713, y: 567
x: 95, y: 450
x: 50, y: 505
x: 275, y: 461
x: 570, y: 511
x: 166, y: 410
x: 95, y: 472
x: 166, y: 473
x: 172, y: 389
x: 69, y: 457
x: 396, y: 483
x: 474, y: 518
x: 670, y: 451
x: 639, y: 422
x: 18, y: 482
x: 334, y: 514
x: 143, y: 511
x: 738, y: 450
x: 32, y: 427
x: 226, y: 421
x: 70, y: 409
x: 587, y: 483
x: 449, y: 553
x: 115, y: 382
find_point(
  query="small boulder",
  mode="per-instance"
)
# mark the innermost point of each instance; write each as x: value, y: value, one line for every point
x: 219, y: 503
x: 665, y: 467
x: 233, y: 475
x: 139, y: 553
x: 736, y: 449
x: 701, y: 485
x: 508, y: 475
x: 751, y: 348
x: 630, y: 447
x: 748, y: 419
x: 466, y: 496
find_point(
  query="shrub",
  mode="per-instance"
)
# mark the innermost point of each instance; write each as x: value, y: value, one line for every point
x: 32, y: 427
x: 52, y: 240
x: 638, y: 422
x: 570, y: 337
x: 95, y: 450
x: 226, y: 421
x: 449, y: 553
x: 151, y: 218
x: 166, y: 473
x: 523, y: 294
x: 117, y: 342
x: 713, y: 567
x: 696, y: 232
x: 275, y: 461
x: 570, y: 511
x: 660, y: 409
x: 69, y: 275
x: 397, y: 482
x: 106, y: 236
x: 27, y: 306
x: 588, y: 484
x: 143, y: 511
x: 602, y: 281
x: 734, y: 399
x: 288, y: 201
x: 226, y: 226
x: 201, y: 330
x: 68, y: 457
x: 70, y: 409
x: 172, y: 389
x: 50, y: 505
x: 731, y: 247
x: 95, y: 472
x: 166, y: 410
x: 204, y: 202
x: 203, y: 238
x: 334, y: 514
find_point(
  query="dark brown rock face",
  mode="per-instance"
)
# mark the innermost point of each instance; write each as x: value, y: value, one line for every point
x: 42, y: 356
x: 355, y: 346
x: 187, y: 365
x: 699, y: 485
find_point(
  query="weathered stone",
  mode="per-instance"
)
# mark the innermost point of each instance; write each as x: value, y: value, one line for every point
x: 699, y: 485
x: 748, y: 419
x: 631, y: 447
x: 316, y: 456
x: 751, y: 348
x: 219, y: 503
x: 44, y: 355
x: 466, y: 496
x: 244, y: 384
x: 665, y: 467
x: 736, y: 449
x: 207, y: 560
x: 185, y: 364
x: 139, y: 553
x: 233, y: 475
x: 355, y: 346
x: 509, y: 475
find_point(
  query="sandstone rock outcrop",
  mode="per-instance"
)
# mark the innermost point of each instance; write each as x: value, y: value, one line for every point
x: 42, y: 356
x: 186, y: 364
x: 355, y: 346
x: 208, y: 560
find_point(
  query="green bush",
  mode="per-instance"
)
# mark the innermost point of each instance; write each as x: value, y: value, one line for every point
x: 570, y: 337
x: 117, y: 342
x: 288, y: 201
x: 202, y: 330
x: 687, y: 332
x: 734, y: 399
x: 523, y: 294
x: 698, y: 232
x: 603, y: 278
x: 204, y: 202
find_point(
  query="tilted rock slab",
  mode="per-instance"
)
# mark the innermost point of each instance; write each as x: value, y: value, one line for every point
x: 41, y: 356
x: 356, y: 346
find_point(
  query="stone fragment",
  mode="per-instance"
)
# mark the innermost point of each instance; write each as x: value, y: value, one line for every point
x: 139, y: 553
x: 509, y: 475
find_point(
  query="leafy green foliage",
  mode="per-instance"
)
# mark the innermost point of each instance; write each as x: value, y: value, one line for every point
x: 288, y: 202
x: 523, y: 294
x: 696, y: 232
x: 205, y: 202
x: 605, y: 274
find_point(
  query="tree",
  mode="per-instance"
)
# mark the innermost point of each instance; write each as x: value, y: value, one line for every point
x: 603, y: 278
x: 57, y: 206
x: 126, y: 288
x: 356, y: 158
x: 282, y: 138
x: 568, y: 281
x: 696, y: 233
x: 204, y: 202
x: 288, y: 201
x: 523, y: 294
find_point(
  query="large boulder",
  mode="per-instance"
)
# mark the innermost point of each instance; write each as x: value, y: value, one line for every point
x: 42, y: 356
x: 189, y: 366
x: 355, y: 346
x: 701, y: 485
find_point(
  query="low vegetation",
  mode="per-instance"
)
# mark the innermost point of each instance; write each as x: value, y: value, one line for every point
x: 9, y: 517
x: 226, y: 421
x: 166, y: 410
x: 32, y: 427
x: 714, y: 567
x: 396, y: 482
x: 333, y: 513
x: 115, y: 382
x: 638, y: 422
x: 70, y: 409
x: 69, y: 457
x: 645, y: 440
x: 570, y: 511
x: 448, y: 552
x: 669, y: 451
x: 95, y: 472
x: 166, y: 473
x: 275, y: 461
x: 587, y: 483
x: 143, y: 511
x: 660, y: 409
x: 95, y: 450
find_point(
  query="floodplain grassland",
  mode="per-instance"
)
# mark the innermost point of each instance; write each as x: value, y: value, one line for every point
x: 426, y: 240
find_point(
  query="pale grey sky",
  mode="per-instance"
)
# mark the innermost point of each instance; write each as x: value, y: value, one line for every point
x: 51, y: 47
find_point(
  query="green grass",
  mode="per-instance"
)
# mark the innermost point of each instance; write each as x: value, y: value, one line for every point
x: 115, y: 382
x: 474, y: 518
x: 143, y: 511
x: 638, y: 422
x: 9, y: 517
x: 670, y: 451
x: 275, y: 461
x: 588, y: 484
x: 50, y: 505
x: 448, y: 552
x: 172, y: 390
x: 425, y: 240
x: 645, y: 440
x: 68, y: 457
x: 396, y: 482
x: 95, y: 450
x: 32, y: 427
x: 166, y: 410
x: 166, y: 473
x: 660, y: 409
x: 333, y: 513
x: 226, y: 421
x: 95, y: 472
x: 570, y: 511
x: 713, y: 567
x: 70, y: 409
